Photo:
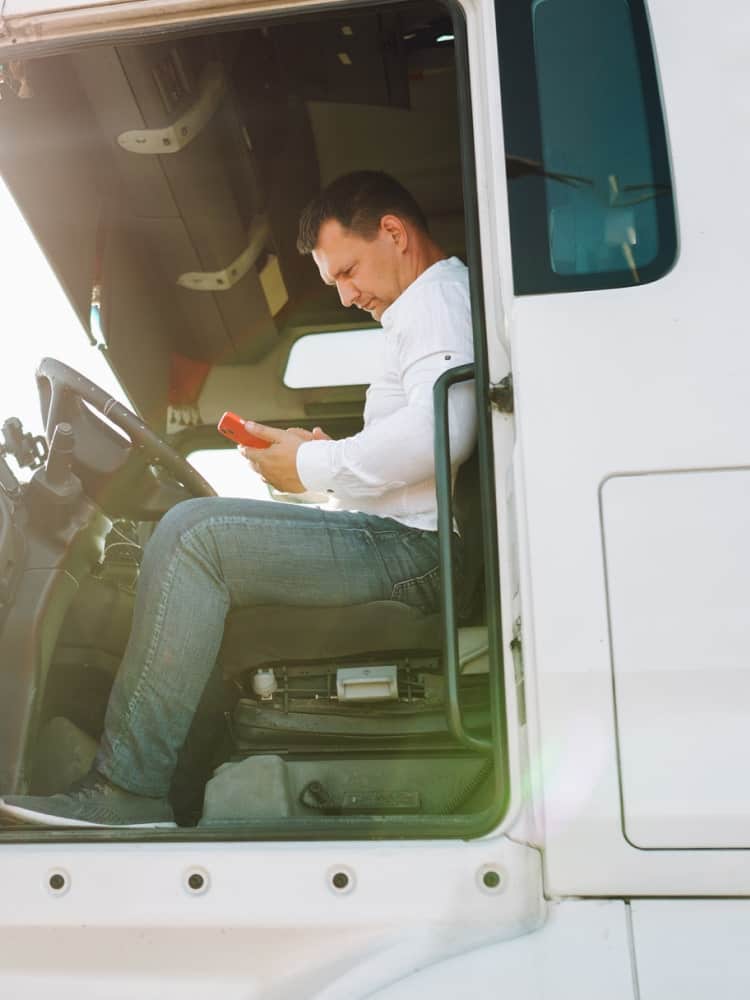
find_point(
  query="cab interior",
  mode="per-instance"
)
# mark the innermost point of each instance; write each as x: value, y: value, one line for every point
x: 164, y: 177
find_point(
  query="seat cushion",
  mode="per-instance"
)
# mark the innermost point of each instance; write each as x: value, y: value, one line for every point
x: 258, y: 635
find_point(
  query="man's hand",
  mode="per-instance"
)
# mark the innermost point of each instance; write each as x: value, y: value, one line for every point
x: 277, y: 464
x: 316, y: 434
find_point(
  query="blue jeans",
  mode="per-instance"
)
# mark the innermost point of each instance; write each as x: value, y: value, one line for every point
x: 209, y: 556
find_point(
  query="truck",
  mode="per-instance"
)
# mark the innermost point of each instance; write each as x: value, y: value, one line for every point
x: 539, y: 791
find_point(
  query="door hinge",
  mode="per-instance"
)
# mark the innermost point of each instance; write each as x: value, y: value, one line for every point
x: 501, y: 395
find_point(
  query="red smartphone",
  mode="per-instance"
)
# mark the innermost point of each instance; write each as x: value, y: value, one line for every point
x: 233, y: 427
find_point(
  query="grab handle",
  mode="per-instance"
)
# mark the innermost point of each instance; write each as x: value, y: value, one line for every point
x: 444, y: 492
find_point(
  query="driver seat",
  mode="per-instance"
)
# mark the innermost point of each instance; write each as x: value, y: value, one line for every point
x: 320, y: 661
x: 265, y: 635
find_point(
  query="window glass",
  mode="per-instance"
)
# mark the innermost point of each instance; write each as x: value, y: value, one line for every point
x: 347, y: 357
x: 229, y: 474
x: 589, y: 185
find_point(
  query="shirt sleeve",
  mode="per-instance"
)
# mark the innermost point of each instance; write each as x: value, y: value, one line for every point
x: 398, y: 449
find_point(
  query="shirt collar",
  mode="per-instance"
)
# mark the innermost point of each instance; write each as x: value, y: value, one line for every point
x: 389, y: 315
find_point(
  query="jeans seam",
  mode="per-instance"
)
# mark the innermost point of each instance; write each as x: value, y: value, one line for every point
x: 402, y: 589
x: 134, y: 701
x: 233, y: 519
x: 229, y: 521
x: 415, y: 580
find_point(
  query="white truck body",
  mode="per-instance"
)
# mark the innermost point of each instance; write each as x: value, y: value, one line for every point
x: 623, y: 481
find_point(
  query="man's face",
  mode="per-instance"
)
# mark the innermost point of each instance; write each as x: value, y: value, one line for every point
x: 364, y: 271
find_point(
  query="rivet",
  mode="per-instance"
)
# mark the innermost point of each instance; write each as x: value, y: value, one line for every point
x: 58, y: 882
x: 491, y: 878
x: 196, y: 881
x: 341, y: 879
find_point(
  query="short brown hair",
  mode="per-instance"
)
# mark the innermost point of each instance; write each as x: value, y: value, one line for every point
x: 358, y: 201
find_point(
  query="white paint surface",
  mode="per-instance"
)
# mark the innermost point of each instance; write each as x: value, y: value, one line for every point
x: 269, y: 925
x: 692, y: 949
x: 678, y: 574
x: 645, y: 379
x: 582, y: 953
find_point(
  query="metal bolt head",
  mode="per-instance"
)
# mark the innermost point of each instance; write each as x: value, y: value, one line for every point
x: 491, y: 879
x: 196, y: 881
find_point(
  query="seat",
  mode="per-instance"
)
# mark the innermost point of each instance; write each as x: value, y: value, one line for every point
x: 265, y: 635
x: 256, y: 636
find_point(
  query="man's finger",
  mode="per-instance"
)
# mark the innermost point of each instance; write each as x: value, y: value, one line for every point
x: 263, y: 432
x: 301, y: 433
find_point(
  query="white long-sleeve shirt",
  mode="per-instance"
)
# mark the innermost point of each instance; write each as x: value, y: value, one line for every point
x: 389, y: 467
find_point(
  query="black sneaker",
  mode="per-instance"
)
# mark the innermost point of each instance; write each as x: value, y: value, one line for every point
x: 92, y: 801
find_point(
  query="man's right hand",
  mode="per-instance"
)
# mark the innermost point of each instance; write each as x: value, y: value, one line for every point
x: 277, y: 464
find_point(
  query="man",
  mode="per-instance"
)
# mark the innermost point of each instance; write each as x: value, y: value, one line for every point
x: 369, y: 239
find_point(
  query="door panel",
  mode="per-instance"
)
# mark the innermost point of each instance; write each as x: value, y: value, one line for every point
x: 618, y: 381
x: 678, y: 579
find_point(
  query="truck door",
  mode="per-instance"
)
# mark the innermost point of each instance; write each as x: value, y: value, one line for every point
x: 628, y: 344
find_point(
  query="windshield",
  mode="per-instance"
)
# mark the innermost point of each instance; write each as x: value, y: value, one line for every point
x: 37, y: 320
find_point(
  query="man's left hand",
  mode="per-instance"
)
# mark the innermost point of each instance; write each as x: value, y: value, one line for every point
x: 277, y: 464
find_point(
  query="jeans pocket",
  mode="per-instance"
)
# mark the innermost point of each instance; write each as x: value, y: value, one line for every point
x: 421, y: 592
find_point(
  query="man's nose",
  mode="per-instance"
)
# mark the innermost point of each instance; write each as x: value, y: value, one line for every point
x: 348, y: 292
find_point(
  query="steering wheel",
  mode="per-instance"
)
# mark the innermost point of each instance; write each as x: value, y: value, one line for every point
x: 139, y: 475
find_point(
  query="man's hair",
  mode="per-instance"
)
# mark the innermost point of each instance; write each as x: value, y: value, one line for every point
x: 358, y: 201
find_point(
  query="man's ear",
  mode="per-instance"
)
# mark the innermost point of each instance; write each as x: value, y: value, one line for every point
x: 395, y: 230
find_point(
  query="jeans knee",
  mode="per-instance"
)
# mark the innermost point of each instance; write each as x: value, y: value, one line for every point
x: 183, y: 517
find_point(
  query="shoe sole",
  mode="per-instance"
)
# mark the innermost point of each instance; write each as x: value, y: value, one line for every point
x: 30, y: 818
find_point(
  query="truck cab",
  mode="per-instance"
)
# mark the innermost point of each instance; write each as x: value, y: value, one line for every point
x: 541, y: 788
